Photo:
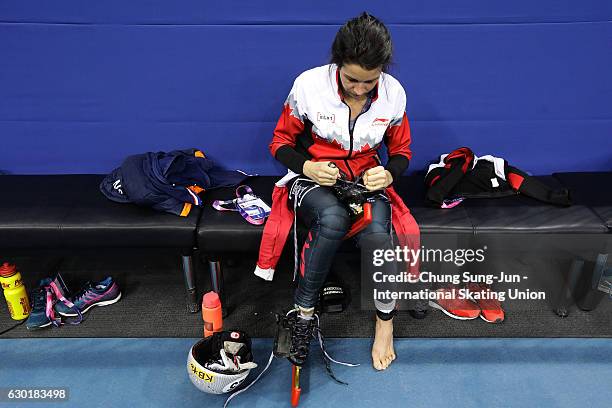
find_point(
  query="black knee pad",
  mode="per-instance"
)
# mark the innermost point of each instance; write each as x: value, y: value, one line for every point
x: 334, y: 222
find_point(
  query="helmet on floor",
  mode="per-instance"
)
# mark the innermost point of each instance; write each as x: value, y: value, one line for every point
x: 221, y: 362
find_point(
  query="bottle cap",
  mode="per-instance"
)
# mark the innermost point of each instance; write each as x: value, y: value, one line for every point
x: 7, y: 270
x: 211, y: 300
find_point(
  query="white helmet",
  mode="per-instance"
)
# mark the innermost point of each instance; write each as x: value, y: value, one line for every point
x: 220, y: 363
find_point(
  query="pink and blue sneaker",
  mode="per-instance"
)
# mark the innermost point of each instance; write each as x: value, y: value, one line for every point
x: 39, y: 317
x: 43, y: 298
x: 103, y: 293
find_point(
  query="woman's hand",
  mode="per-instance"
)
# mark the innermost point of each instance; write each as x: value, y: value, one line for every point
x: 377, y: 178
x: 321, y: 172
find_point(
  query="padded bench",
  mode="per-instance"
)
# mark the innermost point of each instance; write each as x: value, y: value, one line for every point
x: 593, y: 190
x: 65, y: 213
x: 223, y: 235
x: 540, y: 226
x: 68, y: 213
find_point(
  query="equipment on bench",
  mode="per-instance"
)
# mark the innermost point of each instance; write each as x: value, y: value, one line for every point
x: 252, y: 208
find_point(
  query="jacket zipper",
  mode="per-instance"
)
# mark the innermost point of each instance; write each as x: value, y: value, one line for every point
x: 351, y: 138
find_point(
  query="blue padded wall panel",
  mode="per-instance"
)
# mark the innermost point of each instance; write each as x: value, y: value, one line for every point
x: 306, y: 12
x: 77, y: 98
x: 97, y: 147
x: 68, y: 147
x: 152, y: 73
x: 539, y: 147
x: 506, y: 72
x: 451, y: 72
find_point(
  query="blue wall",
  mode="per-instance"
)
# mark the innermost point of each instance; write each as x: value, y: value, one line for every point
x: 84, y: 84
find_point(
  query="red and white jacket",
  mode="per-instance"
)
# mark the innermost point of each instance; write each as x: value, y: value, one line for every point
x: 314, y: 125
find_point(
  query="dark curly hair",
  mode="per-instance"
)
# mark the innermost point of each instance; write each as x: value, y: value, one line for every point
x: 365, y: 41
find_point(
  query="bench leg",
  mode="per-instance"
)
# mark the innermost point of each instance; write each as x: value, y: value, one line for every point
x: 589, y: 296
x: 566, y: 298
x: 193, y: 305
x: 216, y: 278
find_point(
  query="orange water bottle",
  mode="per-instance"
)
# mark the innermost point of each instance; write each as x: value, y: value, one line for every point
x: 211, y: 313
x: 14, y: 292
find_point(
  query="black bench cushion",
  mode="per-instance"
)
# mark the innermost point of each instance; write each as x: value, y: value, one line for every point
x: 220, y: 232
x: 225, y: 231
x: 68, y: 211
x: 431, y: 220
x: 520, y: 214
x: 593, y: 189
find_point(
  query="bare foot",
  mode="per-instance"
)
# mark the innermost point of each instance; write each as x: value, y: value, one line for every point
x: 382, y: 350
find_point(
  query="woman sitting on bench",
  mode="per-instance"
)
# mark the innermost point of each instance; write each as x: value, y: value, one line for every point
x: 333, y: 122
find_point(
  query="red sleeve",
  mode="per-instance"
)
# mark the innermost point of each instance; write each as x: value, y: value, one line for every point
x: 398, y: 137
x: 288, y: 127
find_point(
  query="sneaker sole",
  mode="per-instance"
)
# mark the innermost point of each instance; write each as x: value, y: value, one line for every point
x: 482, y: 316
x: 105, y: 303
x: 446, y: 312
x: 491, y: 321
x: 39, y: 327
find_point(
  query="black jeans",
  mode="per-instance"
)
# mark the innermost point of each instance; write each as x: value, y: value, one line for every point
x: 328, y: 220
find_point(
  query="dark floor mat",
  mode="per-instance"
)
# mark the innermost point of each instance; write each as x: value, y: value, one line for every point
x: 153, y: 304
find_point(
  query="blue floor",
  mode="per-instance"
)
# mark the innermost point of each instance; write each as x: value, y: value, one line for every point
x: 428, y: 373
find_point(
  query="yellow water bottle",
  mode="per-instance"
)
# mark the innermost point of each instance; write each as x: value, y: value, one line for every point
x: 14, y: 292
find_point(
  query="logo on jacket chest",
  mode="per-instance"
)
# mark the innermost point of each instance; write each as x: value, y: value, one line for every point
x: 326, y: 117
x: 384, y: 122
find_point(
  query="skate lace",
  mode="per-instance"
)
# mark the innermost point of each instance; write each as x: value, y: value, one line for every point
x: 327, y: 359
x: 302, y: 334
x: 304, y: 330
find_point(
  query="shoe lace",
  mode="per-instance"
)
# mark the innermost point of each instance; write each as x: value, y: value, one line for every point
x: 606, y: 284
x: 82, y: 292
x: 39, y: 298
x: 55, y: 291
x: 49, y: 311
